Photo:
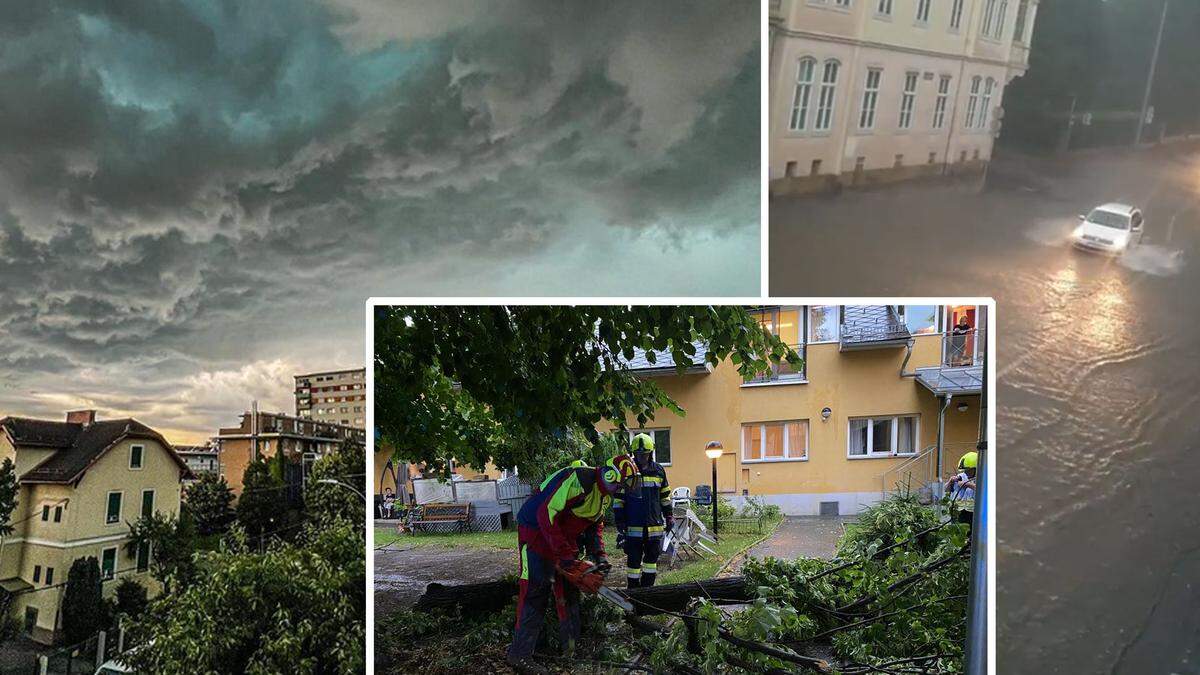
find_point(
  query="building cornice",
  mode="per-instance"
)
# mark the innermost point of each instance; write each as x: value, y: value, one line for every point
x: 855, y: 42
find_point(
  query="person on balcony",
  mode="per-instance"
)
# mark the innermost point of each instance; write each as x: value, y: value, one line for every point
x: 643, y: 514
x: 958, y: 342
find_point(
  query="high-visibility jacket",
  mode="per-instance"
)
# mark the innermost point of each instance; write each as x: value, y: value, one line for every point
x: 569, y: 505
x: 641, y: 511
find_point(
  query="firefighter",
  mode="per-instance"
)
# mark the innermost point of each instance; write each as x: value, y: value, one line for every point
x: 962, y: 487
x: 643, y: 514
x: 568, y: 508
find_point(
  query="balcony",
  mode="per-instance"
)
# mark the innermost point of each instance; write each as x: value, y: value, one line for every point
x: 782, y: 371
x: 964, y: 350
x: 960, y: 371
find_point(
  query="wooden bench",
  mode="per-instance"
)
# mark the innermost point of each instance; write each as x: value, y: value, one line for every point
x: 443, y: 513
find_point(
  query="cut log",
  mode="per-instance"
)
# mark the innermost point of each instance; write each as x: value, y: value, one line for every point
x: 494, y: 595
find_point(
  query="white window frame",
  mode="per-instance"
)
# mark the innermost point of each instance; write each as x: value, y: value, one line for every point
x: 973, y: 101
x: 827, y: 95
x: 870, y: 99
x: 120, y: 506
x: 923, y: 9
x: 808, y: 324
x: 956, y: 14
x: 989, y: 12
x: 895, y: 432
x: 943, y: 98
x: 1001, y: 20
x: 883, y: 8
x: 801, y: 110
x: 116, y: 562
x: 908, y: 98
x: 938, y: 323
x: 985, y: 114
x: 142, y: 505
x: 141, y: 457
x: 762, y: 447
x: 1019, y: 26
x: 654, y: 454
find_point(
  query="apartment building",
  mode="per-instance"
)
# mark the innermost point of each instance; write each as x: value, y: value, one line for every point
x: 81, y: 483
x: 334, y: 396
x: 871, y: 91
x: 886, y: 394
x: 261, y: 434
x: 200, y: 459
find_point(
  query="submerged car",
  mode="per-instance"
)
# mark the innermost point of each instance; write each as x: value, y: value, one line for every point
x: 1111, y: 228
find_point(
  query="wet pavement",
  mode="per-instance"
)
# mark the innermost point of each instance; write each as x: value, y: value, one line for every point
x: 803, y: 537
x: 1098, y: 522
x: 401, y: 574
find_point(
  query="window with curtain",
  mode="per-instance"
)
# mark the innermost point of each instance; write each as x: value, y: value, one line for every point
x: 883, y: 436
x: 775, y: 441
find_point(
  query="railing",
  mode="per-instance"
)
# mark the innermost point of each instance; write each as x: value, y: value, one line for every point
x: 919, y: 473
x: 962, y: 350
x: 782, y: 371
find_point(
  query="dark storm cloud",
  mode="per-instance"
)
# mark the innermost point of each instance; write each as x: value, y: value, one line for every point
x: 189, y: 187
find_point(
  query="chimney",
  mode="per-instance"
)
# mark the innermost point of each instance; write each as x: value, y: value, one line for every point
x: 81, y: 417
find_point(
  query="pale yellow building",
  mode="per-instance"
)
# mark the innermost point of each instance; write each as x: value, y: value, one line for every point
x: 871, y: 91
x: 879, y: 386
x: 82, y: 483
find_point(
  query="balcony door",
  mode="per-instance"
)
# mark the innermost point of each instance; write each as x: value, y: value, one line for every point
x: 961, y: 348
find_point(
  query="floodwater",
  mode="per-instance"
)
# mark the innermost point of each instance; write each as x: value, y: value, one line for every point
x: 1098, y: 391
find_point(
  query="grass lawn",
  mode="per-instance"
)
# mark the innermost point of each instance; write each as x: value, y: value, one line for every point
x: 730, y: 545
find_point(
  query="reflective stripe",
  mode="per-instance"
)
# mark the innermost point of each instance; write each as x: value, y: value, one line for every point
x: 651, y: 480
x: 524, y: 562
x: 650, y: 567
x: 618, y: 503
x: 654, y: 528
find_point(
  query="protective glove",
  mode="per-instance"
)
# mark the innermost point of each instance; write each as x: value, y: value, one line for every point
x: 576, y: 572
x: 669, y: 523
x: 602, y: 564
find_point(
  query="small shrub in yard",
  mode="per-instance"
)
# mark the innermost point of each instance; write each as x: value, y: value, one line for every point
x: 755, y: 507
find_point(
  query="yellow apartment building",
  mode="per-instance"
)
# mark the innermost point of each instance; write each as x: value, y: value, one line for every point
x: 81, y: 483
x: 871, y: 91
x: 880, y: 387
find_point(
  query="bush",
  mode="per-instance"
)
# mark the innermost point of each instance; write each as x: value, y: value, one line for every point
x: 82, y: 605
x: 756, y: 508
x: 10, y: 628
x: 131, y: 598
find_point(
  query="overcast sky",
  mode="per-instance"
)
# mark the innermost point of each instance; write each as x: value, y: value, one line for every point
x: 197, y: 197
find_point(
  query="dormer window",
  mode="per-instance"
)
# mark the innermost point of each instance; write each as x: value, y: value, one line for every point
x: 135, y: 456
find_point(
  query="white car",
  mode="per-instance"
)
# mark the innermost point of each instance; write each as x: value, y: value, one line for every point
x: 1111, y: 228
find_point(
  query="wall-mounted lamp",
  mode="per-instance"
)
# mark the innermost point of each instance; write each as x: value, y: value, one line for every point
x: 825, y: 413
x: 962, y: 407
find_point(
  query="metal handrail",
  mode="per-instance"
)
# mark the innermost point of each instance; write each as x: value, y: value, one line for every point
x: 963, y: 350
x: 926, y: 455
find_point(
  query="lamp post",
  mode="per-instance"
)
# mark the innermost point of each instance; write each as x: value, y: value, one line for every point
x: 713, y: 450
x: 339, y: 483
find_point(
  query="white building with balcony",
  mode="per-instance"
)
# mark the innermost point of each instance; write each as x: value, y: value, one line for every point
x: 871, y: 91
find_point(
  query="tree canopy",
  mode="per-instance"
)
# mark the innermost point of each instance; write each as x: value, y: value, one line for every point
x: 513, y: 384
x: 210, y: 503
x: 8, y: 496
x: 326, y: 502
x: 83, y: 602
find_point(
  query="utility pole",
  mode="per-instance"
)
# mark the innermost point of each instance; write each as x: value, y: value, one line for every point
x: 1153, y: 67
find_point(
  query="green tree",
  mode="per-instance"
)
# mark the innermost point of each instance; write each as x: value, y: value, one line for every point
x: 261, y: 508
x: 326, y: 502
x: 171, y: 542
x: 8, y: 496
x: 295, y: 608
x: 210, y: 503
x: 512, y: 384
x: 82, y: 604
x: 131, y: 598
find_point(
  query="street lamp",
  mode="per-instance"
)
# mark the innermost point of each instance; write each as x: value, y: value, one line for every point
x: 353, y: 489
x: 713, y: 450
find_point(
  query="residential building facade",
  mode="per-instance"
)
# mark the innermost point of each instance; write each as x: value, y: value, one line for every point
x: 886, y: 394
x: 82, y: 483
x: 870, y: 91
x: 261, y: 434
x: 334, y: 396
x: 200, y: 459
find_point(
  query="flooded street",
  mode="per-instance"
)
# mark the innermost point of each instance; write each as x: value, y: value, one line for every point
x: 1098, y: 393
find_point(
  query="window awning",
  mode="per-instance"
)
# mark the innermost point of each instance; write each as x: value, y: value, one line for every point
x: 953, y: 381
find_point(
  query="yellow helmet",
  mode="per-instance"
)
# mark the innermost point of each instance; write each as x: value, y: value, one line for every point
x: 969, y: 460
x: 642, y: 443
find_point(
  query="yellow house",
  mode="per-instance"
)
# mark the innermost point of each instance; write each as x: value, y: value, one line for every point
x: 885, y: 392
x: 81, y: 483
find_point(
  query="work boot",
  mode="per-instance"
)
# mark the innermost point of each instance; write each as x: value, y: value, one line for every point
x: 526, y: 666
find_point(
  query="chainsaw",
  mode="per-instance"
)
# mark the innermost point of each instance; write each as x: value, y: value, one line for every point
x: 615, y: 597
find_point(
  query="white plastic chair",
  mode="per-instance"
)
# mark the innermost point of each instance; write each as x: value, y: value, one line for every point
x: 681, y: 496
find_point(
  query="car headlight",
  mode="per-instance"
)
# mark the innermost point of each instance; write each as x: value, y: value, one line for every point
x: 1078, y: 233
x: 1121, y: 240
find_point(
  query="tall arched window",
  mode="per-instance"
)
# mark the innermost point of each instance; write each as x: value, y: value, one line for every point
x: 829, y: 78
x: 985, y: 114
x: 800, y: 101
x: 973, y: 102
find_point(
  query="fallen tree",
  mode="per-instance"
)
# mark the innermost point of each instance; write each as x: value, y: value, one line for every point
x: 495, y: 595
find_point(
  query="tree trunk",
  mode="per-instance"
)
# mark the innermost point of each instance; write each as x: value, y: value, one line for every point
x: 494, y: 595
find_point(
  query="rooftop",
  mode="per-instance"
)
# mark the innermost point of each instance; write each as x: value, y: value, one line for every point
x: 77, y: 445
x: 664, y: 363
